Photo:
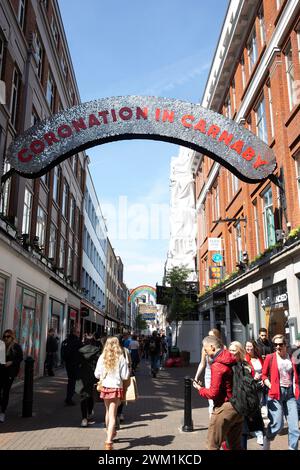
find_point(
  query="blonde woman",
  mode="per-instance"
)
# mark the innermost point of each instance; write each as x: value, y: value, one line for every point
x: 112, y: 369
x: 9, y: 370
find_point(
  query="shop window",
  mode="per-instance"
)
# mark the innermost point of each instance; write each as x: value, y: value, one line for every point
x: 268, y: 218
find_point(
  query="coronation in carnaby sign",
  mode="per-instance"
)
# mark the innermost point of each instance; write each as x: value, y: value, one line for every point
x: 139, y: 117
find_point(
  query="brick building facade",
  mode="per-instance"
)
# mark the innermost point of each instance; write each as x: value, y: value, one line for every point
x: 255, y: 80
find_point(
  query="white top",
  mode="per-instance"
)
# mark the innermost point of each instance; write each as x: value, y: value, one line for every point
x: 285, y: 368
x: 256, y: 365
x: 113, y: 378
x: 134, y: 344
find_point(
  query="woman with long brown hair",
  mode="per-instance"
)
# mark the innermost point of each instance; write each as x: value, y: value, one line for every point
x: 112, y: 369
x: 9, y: 370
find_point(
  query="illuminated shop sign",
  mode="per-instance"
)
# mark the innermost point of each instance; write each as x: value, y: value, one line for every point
x: 139, y: 117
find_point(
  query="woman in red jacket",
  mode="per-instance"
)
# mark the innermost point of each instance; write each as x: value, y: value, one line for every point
x: 280, y: 376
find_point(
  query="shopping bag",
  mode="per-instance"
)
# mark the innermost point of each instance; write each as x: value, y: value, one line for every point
x: 131, y: 392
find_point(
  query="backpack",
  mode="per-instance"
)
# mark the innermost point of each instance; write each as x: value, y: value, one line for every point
x: 152, y: 345
x: 245, y: 397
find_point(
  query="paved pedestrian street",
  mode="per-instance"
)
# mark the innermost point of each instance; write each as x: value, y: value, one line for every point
x: 153, y: 422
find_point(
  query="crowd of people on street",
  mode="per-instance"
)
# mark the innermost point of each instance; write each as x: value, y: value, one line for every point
x: 246, y: 383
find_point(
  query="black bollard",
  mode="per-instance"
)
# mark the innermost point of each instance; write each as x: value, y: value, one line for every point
x: 28, y: 388
x: 188, y: 423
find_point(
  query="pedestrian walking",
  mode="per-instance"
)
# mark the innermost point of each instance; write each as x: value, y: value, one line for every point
x: 51, y: 351
x: 281, y: 377
x: 154, y: 353
x: 70, y: 355
x: 9, y: 370
x: 265, y: 347
x: 253, y: 423
x: 204, y: 365
x: 111, y: 369
x: 225, y: 421
x: 127, y: 355
x: 134, y: 351
x: 88, y: 357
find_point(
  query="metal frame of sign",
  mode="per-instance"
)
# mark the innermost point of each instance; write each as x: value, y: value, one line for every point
x: 140, y: 117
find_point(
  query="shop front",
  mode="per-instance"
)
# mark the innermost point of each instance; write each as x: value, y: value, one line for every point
x: 273, y: 308
x: 28, y: 323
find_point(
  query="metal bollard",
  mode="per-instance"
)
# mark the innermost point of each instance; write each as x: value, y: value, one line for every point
x: 188, y: 423
x: 28, y: 388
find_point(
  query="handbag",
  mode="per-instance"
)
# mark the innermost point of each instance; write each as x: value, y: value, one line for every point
x: 100, y: 386
x: 131, y: 392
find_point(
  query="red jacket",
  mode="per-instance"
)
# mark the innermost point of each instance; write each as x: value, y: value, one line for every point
x: 220, y: 389
x: 271, y: 372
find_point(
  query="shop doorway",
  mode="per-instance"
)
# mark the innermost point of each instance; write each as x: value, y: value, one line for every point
x: 239, y: 319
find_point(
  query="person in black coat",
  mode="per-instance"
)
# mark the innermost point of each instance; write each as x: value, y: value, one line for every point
x: 51, y: 350
x: 9, y: 370
x: 263, y: 343
x: 71, y: 357
x: 89, y: 354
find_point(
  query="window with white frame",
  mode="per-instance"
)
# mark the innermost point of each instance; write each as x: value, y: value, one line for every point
x: 271, y: 109
x: 262, y: 26
x: 238, y: 242
x: 1, y: 54
x: 252, y: 49
x: 56, y: 181
x: 54, y: 30
x: 290, y: 74
x: 62, y: 253
x: 39, y: 55
x: 15, y: 91
x: 235, y: 183
x: 41, y: 226
x: 297, y: 163
x: 216, y: 202
x: 268, y: 218
x: 256, y: 225
x: 45, y: 179
x: 52, y: 241
x: 65, y: 200
x: 242, y: 62
x: 21, y: 13
x: 27, y: 212
x: 50, y: 91
x: 70, y: 262
x: 64, y: 65
x: 261, y: 121
x: 227, y: 105
x: 72, y: 212
x: 4, y: 194
x: 233, y: 95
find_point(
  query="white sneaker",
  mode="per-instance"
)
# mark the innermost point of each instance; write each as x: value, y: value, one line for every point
x: 259, y: 438
x: 266, y: 443
x: 84, y: 423
x: 2, y: 417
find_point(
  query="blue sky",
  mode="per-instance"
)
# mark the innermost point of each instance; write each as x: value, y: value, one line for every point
x: 133, y: 47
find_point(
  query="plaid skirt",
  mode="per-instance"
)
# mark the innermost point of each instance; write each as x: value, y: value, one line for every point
x: 108, y: 393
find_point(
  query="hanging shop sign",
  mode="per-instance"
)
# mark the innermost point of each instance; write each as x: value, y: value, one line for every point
x: 140, y: 117
x: 217, y: 258
x: 214, y: 244
x: 216, y: 272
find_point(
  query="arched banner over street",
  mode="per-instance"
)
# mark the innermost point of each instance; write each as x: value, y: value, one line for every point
x: 139, y: 117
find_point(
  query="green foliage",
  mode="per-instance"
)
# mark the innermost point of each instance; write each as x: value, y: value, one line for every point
x: 141, y: 324
x: 294, y: 232
x: 181, y: 305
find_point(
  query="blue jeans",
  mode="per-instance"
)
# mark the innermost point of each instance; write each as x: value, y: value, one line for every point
x: 277, y: 409
x: 155, y: 361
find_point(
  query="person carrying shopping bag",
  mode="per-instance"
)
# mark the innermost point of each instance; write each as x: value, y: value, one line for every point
x: 112, y: 368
